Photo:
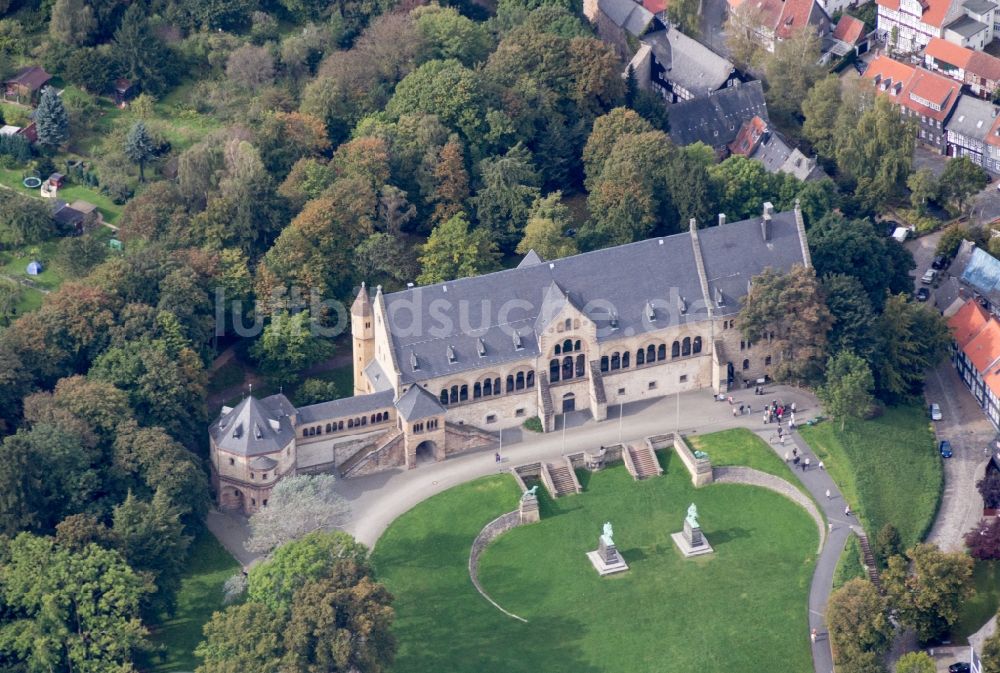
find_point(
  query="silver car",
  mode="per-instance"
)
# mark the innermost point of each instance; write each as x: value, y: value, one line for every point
x: 935, y: 412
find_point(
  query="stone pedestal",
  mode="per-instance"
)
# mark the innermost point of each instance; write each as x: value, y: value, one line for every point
x: 691, y: 541
x: 606, y: 559
x: 529, y: 509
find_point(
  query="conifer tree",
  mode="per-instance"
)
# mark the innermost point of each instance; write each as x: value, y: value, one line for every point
x: 51, y: 119
x: 139, y: 147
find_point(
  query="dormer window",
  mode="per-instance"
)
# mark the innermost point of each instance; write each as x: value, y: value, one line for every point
x: 257, y: 431
x: 238, y: 431
x: 682, y: 305
x: 481, y: 348
x: 413, y: 361
x: 517, y: 341
x: 614, y: 320
x: 719, y: 299
x: 650, y: 312
x: 451, y: 355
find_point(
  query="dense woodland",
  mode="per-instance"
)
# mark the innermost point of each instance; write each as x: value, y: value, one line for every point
x: 341, y: 142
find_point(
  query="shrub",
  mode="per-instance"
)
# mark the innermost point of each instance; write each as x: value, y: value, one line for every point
x: 534, y: 424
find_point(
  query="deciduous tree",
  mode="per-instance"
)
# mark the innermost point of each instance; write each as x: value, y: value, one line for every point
x: 989, y: 488
x: 923, y: 188
x: 605, y: 133
x: 820, y: 108
x: 916, y: 662
x: 72, y: 22
x: 914, y: 339
x: 454, y: 250
x: 451, y: 182
x: 791, y: 71
x: 927, y: 588
x: 545, y: 232
x: 228, y: 632
x: 847, y: 392
x: 960, y: 180
x: 859, y: 623
x: 289, y: 343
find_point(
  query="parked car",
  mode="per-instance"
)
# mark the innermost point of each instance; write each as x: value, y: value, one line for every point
x: 890, y: 227
x: 929, y: 277
x: 935, y: 411
x: 923, y: 294
x: 945, y: 448
x: 960, y: 667
x: 940, y: 262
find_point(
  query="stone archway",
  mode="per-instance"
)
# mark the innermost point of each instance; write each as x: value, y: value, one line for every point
x: 568, y: 403
x: 426, y: 452
x: 231, y: 498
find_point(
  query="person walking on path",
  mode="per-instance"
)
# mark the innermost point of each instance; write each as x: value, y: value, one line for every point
x: 807, y: 465
x: 847, y: 510
x: 821, y: 465
x: 812, y: 636
x: 828, y: 496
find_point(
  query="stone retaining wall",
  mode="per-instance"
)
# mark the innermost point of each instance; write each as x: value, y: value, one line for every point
x: 490, y: 532
x: 752, y: 477
x: 700, y: 468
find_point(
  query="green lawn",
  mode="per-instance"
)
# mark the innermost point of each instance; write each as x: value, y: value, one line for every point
x: 342, y: 377
x: 201, y: 594
x: 13, y: 177
x: 742, y: 447
x: 887, y: 468
x: 14, y: 263
x: 850, y: 564
x: 739, y: 610
x: 978, y: 609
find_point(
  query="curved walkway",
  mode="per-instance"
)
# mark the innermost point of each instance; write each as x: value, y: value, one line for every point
x: 839, y: 527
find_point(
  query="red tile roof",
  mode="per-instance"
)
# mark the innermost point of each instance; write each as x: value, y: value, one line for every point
x: 934, y: 12
x: 984, y: 348
x: 967, y: 322
x: 984, y: 65
x: 905, y: 83
x: 993, y: 137
x: 748, y: 138
x: 849, y: 29
x: 949, y: 52
x: 655, y: 6
x: 784, y: 17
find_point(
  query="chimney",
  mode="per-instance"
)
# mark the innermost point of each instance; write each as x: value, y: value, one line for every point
x: 722, y: 219
x: 765, y: 223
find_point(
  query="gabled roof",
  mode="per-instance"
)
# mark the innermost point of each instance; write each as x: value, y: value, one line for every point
x: 655, y: 6
x: 785, y: 17
x: 531, y: 259
x: 688, y: 62
x: 967, y: 322
x: 966, y: 26
x: 980, y: 7
x: 716, y: 119
x: 906, y: 85
x: 948, y: 52
x: 749, y: 137
x: 983, y: 350
x: 973, y: 117
x: 255, y: 427
x: 849, y: 29
x: 934, y: 11
x: 994, y: 136
x: 417, y: 403
x: 629, y: 16
x: 984, y: 65
x: 32, y: 77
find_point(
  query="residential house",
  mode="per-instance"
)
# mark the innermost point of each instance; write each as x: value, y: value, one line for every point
x: 76, y: 217
x: 25, y: 86
x: 716, y: 120
x: 621, y: 23
x: 979, y: 70
x: 680, y: 68
x: 757, y: 140
x: 910, y: 25
x: 780, y: 19
x: 924, y: 96
x: 976, y: 355
x: 850, y: 35
x: 969, y: 130
x: 29, y: 132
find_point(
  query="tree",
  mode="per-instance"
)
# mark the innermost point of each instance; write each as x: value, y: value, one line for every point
x: 298, y: 506
x: 51, y: 119
x: 685, y: 15
x: 952, y: 237
x: 313, y: 391
x: 791, y: 71
x: 989, y: 488
x: 788, y: 310
x: 503, y: 202
x: 545, y: 232
x: 228, y: 632
x: 927, y: 592
x: 448, y: 34
x: 914, y: 339
x: 139, y: 147
x: 385, y: 254
x: 394, y: 210
x: 76, y: 610
x: 251, y: 66
x: 859, y: 623
x: 288, y: 344
x: 275, y: 582
x: 848, y: 389
x: 888, y: 543
x: 142, y: 56
x: 79, y: 254
x: 605, y: 133
x: 451, y: 182
x: 923, y: 188
x: 24, y: 220
x: 742, y: 30
x: 456, y: 251
x: 916, y: 662
x: 960, y: 180
x: 983, y: 541
x: 854, y: 319
x: 820, y: 108
x: 72, y: 22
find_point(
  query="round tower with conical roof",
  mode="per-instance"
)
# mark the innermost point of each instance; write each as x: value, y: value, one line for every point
x: 363, y: 338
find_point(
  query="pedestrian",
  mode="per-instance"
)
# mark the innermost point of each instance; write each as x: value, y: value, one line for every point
x: 498, y: 457
x: 795, y: 451
x: 805, y: 464
x: 829, y: 526
x: 764, y: 417
x: 781, y: 439
x: 741, y: 410
x: 734, y: 412
x: 749, y: 411
x: 788, y: 456
x: 828, y: 496
x: 847, y: 510
x: 812, y: 635
x: 796, y: 460
x: 808, y: 462
x: 793, y: 407
x: 821, y: 465
x: 780, y: 431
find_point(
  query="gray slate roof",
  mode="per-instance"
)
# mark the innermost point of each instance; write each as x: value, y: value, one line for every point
x: 428, y: 321
x: 966, y: 26
x: 716, y: 119
x: 982, y: 272
x: 531, y: 259
x: 377, y: 376
x: 776, y: 155
x: 347, y: 406
x: 628, y: 15
x: 972, y: 117
x: 979, y: 7
x: 688, y: 62
x: 255, y: 427
x: 417, y: 403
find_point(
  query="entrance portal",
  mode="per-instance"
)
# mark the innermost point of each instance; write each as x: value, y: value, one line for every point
x: 569, y: 403
x: 426, y: 452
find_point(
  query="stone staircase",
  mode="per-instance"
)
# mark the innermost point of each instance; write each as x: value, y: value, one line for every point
x: 597, y: 381
x: 354, y: 464
x: 547, y: 415
x: 644, y: 462
x: 562, y: 479
x: 870, y: 565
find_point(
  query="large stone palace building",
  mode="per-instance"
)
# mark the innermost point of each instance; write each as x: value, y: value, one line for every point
x: 439, y: 369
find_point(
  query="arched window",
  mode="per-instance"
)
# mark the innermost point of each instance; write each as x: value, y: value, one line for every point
x: 487, y: 387
x: 328, y: 429
x: 626, y: 359
x: 350, y: 422
x: 510, y: 383
x: 444, y: 396
x: 640, y: 357
x: 568, y: 324
x: 746, y: 365
x: 477, y: 391
x: 604, y: 363
x: 576, y: 345
x: 496, y: 386
x: 567, y: 346
x: 558, y: 349
x: 340, y: 425
x: 697, y: 344
x: 554, y: 370
x: 675, y: 350
x: 531, y: 379
x: 581, y: 363
x: 463, y: 393
x: 661, y: 352
x: 454, y: 394
x: 373, y: 419
x: 616, y: 361
x: 567, y: 367
x: 651, y: 353
x: 519, y: 381
x: 686, y: 348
